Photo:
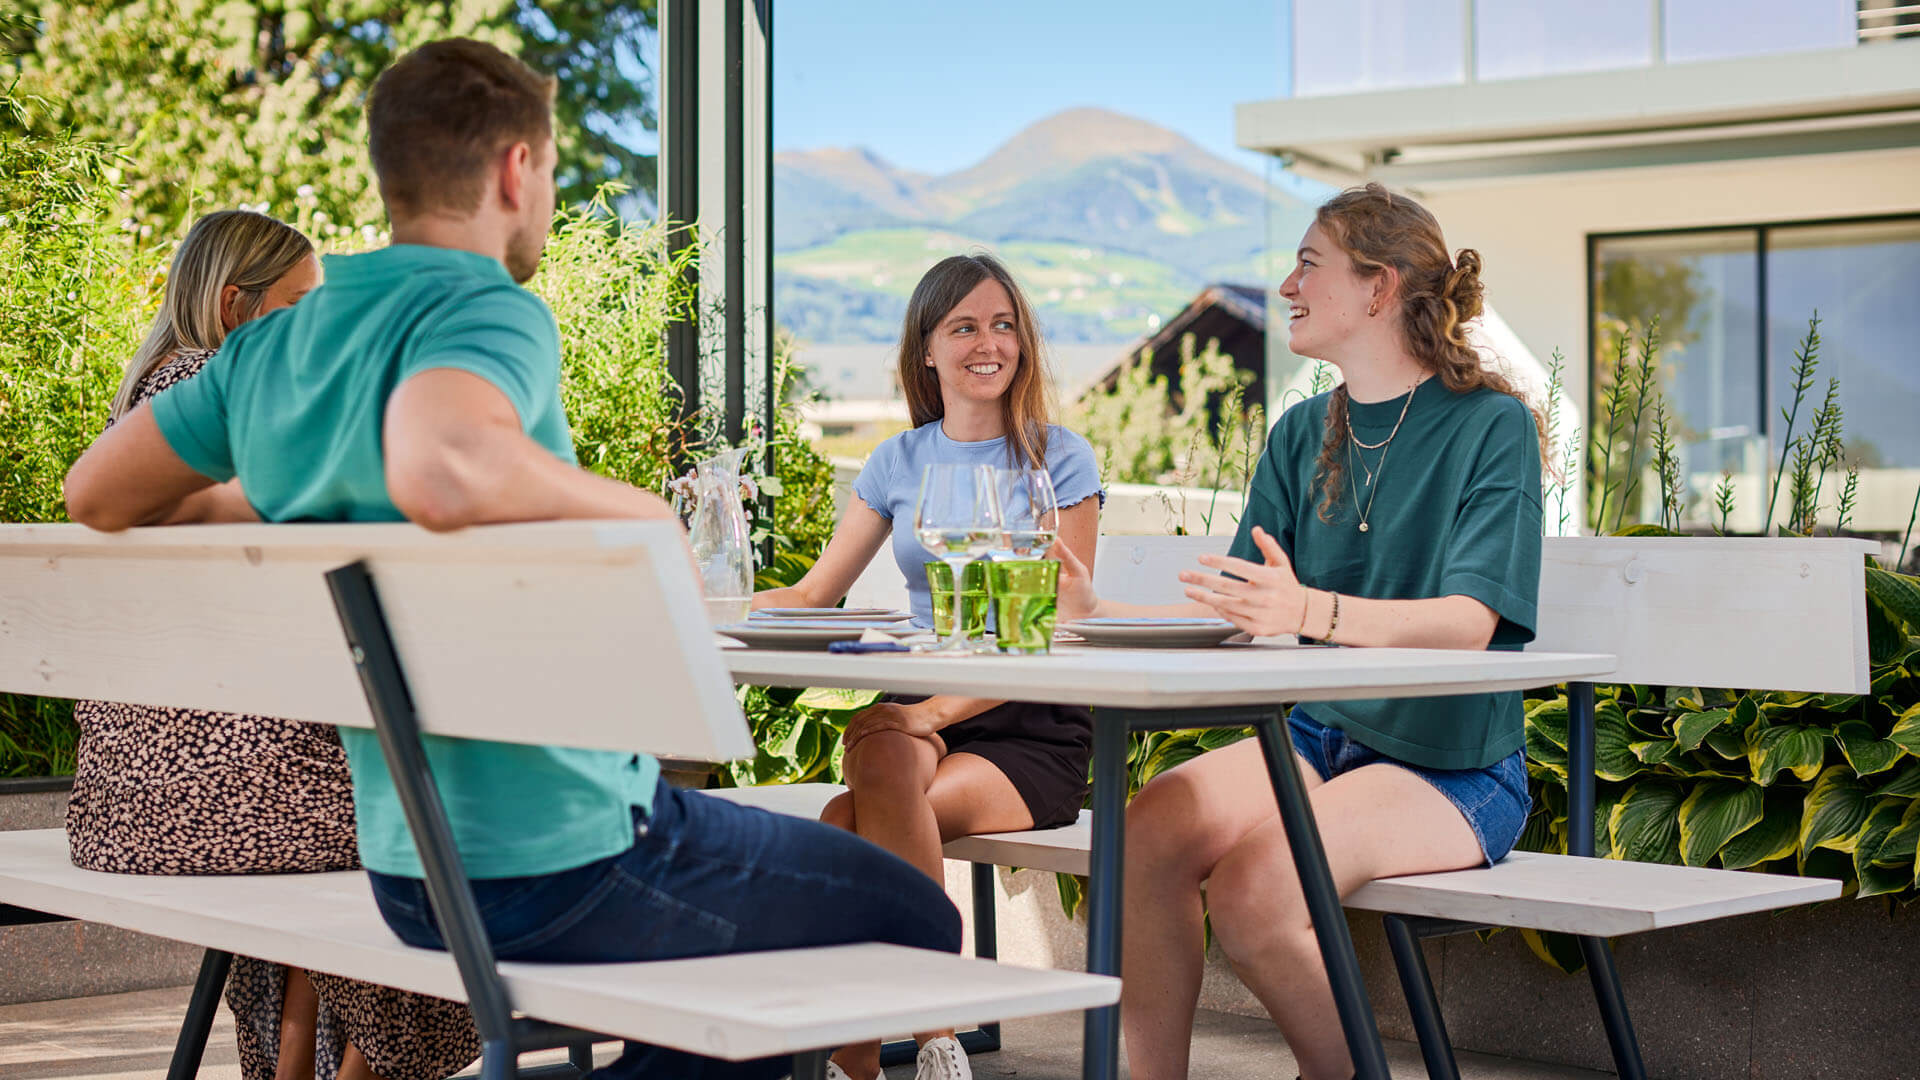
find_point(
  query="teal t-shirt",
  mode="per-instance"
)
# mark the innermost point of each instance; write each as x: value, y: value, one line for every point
x: 1456, y: 513
x: 293, y: 404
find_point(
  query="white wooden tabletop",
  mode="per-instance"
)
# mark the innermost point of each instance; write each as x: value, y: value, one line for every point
x: 1174, y: 678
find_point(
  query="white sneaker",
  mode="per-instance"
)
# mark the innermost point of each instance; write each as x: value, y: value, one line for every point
x: 835, y: 1072
x: 942, y: 1059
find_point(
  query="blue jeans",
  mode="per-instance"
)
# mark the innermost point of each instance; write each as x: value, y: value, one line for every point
x: 704, y: 876
x: 1494, y: 800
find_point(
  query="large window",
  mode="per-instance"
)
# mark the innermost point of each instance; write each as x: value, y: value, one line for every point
x: 1734, y: 305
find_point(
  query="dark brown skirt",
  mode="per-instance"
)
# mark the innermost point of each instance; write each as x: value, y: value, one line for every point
x: 180, y: 791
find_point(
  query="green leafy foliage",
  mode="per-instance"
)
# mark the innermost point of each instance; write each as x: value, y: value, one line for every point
x: 1200, y: 432
x: 78, y: 289
x: 221, y: 102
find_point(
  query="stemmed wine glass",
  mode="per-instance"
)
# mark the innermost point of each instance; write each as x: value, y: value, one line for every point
x: 1030, y: 511
x: 958, y: 520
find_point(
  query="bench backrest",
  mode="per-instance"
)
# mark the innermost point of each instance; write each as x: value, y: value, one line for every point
x: 1729, y: 612
x: 588, y: 634
x: 1145, y: 569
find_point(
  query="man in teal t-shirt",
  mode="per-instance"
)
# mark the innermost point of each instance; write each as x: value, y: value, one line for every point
x: 421, y: 383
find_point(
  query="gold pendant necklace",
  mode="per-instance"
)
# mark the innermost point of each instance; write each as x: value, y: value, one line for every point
x: 1354, y: 441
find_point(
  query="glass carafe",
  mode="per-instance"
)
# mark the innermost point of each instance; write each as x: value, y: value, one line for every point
x: 717, y: 531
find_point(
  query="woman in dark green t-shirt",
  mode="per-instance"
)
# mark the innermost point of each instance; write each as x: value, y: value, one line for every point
x: 1401, y: 509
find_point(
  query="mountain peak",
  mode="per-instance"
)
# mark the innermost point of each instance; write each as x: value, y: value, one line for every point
x: 1071, y: 138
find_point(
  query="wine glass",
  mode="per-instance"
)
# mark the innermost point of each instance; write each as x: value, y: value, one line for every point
x: 957, y: 520
x: 1030, y: 511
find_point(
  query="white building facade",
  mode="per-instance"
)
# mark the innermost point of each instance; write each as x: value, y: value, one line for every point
x: 1729, y: 166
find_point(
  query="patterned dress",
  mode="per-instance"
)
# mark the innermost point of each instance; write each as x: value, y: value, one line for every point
x: 183, y: 791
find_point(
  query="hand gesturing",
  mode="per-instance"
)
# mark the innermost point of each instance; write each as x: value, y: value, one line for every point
x: 1267, y: 600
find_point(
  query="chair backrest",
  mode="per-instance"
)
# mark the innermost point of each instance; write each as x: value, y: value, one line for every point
x: 1730, y: 612
x: 588, y: 634
x: 1144, y: 569
x: 880, y: 584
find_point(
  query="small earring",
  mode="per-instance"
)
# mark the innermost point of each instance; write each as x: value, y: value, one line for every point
x: 1372, y: 310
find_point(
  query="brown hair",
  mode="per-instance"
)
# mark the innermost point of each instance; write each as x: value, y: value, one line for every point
x: 1438, y: 296
x: 1024, y: 407
x: 227, y: 247
x: 438, y: 116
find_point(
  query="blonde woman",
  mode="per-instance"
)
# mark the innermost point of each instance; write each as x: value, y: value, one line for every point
x: 178, y: 791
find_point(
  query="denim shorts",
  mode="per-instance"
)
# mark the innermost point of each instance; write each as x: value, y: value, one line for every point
x: 1494, y: 800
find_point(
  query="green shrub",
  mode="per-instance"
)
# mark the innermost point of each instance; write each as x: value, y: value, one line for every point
x: 1204, y: 434
x: 76, y: 292
x: 1820, y: 784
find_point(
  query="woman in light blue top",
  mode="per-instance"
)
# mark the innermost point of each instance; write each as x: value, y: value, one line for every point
x: 921, y: 772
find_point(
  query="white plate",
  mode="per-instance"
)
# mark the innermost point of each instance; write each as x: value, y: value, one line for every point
x: 866, y: 614
x: 1152, y: 633
x: 793, y: 634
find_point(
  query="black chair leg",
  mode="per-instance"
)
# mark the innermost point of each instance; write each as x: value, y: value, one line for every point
x: 1613, y: 1008
x: 192, y: 1044
x: 1422, y: 1004
x: 984, y: 1039
x: 811, y: 1065
x: 499, y: 1060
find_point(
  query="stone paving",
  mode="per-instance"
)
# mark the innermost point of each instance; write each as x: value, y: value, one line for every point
x: 130, y: 1037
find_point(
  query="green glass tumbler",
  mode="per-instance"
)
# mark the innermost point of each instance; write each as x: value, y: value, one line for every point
x: 973, y: 598
x: 1025, y: 597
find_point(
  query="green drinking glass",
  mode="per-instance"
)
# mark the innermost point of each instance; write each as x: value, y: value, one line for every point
x: 973, y: 598
x: 1025, y: 597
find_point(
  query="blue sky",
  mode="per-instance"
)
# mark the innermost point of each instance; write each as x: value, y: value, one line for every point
x: 937, y: 86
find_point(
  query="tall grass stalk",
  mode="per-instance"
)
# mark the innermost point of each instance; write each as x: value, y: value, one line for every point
x: 1907, y: 537
x: 1806, y: 358
x: 1643, y: 382
x: 1616, y: 398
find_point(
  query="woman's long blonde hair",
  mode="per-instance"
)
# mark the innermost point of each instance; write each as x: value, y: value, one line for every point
x: 1438, y: 297
x: 230, y: 247
x: 1024, y: 407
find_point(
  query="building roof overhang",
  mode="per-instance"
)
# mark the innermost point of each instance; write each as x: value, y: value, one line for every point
x: 1826, y: 101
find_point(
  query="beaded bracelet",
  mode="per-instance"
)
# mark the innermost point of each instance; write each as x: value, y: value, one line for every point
x: 1334, y: 620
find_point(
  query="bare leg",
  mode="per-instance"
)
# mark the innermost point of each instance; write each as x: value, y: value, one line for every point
x: 1179, y: 826
x: 299, y: 1024
x: 1378, y: 821
x: 908, y: 795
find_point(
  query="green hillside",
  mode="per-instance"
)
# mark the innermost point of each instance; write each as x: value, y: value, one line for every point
x: 1081, y: 293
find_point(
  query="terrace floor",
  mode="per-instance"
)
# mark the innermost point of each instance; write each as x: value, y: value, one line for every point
x: 129, y: 1036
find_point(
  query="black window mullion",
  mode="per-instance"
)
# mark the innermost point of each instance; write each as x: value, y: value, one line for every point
x: 1764, y: 341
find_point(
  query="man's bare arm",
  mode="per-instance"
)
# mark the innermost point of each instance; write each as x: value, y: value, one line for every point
x: 130, y: 476
x: 455, y: 456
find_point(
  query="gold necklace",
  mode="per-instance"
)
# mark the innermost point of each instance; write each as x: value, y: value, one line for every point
x: 1372, y: 488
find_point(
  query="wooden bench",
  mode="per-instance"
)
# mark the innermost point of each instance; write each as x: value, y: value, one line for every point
x: 576, y: 634
x: 1727, y: 613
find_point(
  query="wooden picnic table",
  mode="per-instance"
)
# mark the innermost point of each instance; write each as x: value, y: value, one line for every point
x: 1151, y: 689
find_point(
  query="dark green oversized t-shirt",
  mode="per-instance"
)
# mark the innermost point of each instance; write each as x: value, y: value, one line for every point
x: 1456, y: 513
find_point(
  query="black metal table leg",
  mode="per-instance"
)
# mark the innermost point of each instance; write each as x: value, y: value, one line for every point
x: 192, y: 1044
x: 1323, y: 904
x: 1105, y: 887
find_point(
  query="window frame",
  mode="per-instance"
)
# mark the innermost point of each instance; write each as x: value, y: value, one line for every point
x: 1761, y: 231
